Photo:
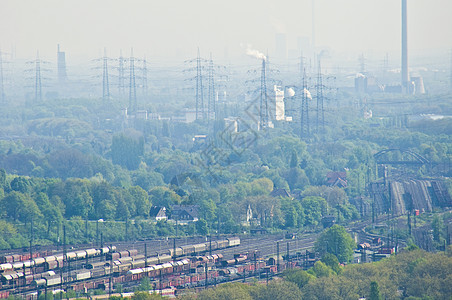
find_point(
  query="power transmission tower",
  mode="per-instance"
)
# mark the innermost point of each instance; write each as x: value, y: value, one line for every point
x: 199, y: 89
x: 37, y: 78
x: 304, y: 111
x: 38, y: 83
x: 200, y: 110
x: 105, y: 84
x: 211, y: 101
x: 320, y: 120
x: 132, y: 85
x: 144, y: 79
x: 263, y: 100
x: 301, y: 65
x: 265, y: 111
x: 121, y: 78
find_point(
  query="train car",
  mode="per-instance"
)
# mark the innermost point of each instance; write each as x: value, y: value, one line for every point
x: 156, y: 269
x: 232, y: 242
x: 122, y: 268
x: 164, y: 258
x: 100, y: 271
x: 138, y: 264
x: 240, y: 259
x: 17, y: 265
x: 13, y: 278
x: 124, y: 253
x: 21, y: 264
x: 53, y: 264
x: 213, y: 245
x: 6, y: 267
x: 80, y: 254
x: 167, y: 268
x: 217, y: 257
x: 17, y: 258
x: 199, y: 248
x: 148, y: 271
x: 200, y: 260
x: 112, y: 256
x: 124, y: 260
x: 138, y: 257
x: 23, y: 257
x: 39, y: 261
x: 50, y: 258
x: 153, y: 260
x: 9, y: 277
x: 54, y: 280
x: 92, y: 252
x: 29, y: 278
x: 176, y: 252
x: 6, y: 259
x: 135, y: 274
x: 245, y: 268
x: 180, y: 265
x: 229, y: 262
x: 188, y: 249
x: 38, y: 283
x: 133, y: 252
x: 59, y: 257
x: 70, y: 256
x: 82, y: 275
x: 48, y: 274
x: 222, y: 244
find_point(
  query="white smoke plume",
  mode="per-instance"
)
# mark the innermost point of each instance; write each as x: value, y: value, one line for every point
x: 255, y: 53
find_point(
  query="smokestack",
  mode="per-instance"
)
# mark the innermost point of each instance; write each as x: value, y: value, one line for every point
x: 61, y: 60
x: 405, y: 75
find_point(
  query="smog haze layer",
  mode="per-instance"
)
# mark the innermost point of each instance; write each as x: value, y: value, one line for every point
x: 166, y: 29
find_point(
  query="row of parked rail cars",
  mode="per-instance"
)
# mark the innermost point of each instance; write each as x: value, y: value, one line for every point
x: 121, y: 270
x: 184, y: 273
x: 48, y: 271
x: 11, y: 258
x: 51, y: 262
x: 203, y: 247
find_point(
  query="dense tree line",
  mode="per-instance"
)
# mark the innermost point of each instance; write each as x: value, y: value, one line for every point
x: 78, y: 203
x: 81, y: 160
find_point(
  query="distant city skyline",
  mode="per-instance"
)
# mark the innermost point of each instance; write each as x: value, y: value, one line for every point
x: 174, y: 29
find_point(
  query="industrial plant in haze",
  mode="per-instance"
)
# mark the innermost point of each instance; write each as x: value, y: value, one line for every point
x: 293, y: 148
x: 409, y: 84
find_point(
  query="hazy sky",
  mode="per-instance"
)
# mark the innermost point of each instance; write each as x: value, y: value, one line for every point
x: 175, y: 28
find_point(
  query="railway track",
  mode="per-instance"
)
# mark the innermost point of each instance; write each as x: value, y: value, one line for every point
x: 266, y: 244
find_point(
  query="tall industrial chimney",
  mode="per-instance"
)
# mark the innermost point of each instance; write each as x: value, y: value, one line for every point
x: 61, y: 60
x: 405, y: 75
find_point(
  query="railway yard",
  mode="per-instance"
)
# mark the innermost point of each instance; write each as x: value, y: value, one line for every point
x: 174, y: 264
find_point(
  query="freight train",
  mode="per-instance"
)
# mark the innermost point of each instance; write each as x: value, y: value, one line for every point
x: 52, y: 262
x: 43, y: 271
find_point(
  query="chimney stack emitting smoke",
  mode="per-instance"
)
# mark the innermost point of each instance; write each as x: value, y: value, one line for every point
x: 255, y: 53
